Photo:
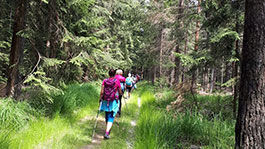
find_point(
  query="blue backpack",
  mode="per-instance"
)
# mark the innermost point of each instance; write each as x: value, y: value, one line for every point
x: 128, y: 82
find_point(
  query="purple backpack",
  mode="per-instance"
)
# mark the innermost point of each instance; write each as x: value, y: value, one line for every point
x: 109, y: 90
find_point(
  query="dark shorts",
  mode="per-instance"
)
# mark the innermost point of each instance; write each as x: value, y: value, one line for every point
x: 109, y: 117
x: 128, y: 89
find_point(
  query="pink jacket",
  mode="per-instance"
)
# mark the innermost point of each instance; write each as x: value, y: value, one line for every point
x: 120, y: 78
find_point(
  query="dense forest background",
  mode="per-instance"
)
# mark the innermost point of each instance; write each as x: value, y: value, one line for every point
x: 53, y: 42
x: 190, y: 45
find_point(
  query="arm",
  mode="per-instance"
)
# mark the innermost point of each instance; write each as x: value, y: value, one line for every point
x: 120, y: 92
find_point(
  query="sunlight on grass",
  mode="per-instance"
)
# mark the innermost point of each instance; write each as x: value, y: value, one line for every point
x: 157, y: 128
x: 72, y: 116
x: 24, y: 129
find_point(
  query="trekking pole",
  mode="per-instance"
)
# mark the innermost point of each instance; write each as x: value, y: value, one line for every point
x: 94, y: 129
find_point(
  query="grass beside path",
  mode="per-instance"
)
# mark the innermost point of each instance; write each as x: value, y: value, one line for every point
x: 158, y: 128
x: 67, y: 121
x: 52, y: 122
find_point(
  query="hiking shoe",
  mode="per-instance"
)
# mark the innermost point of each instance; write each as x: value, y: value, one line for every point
x: 106, y: 136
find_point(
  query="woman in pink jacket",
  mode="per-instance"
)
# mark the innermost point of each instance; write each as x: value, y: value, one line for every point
x: 119, y: 77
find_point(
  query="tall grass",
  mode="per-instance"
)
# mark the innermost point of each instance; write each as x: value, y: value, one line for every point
x: 211, y: 105
x: 13, y: 116
x: 48, y: 121
x: 157, y: 128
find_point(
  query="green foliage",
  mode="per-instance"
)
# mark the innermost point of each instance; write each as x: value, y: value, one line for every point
x: 231, y: 82
x: 38, y: 79
x: 75, y: 96
x: 225, y: 33
x: 50, y: 62
x: 24, y: 125
x: 15, y: 114
x: 158, y: 128
x: 211, y: 105
x: 4, y: 44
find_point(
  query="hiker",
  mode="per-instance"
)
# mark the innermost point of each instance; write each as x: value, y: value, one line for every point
x: 134, y: 82
x: 119, y: 77
x: 109, y: 96
x: 137, y: 77
x: 129, y: 85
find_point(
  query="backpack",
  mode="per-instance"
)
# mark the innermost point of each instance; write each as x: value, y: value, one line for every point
x: 109, y: 90
x: 128, y: 82
x: 137, y: 77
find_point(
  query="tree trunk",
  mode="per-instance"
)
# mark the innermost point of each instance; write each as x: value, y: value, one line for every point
x: 205, y: 79
x: 235, y: 87
x: 235, y: 74
x: 196, y: 47
x: 161, y: 36
x: 16, y: 47
x: 213, y: 79
x: 185, y: 52
x: 177, y: 48
x: 53, y: 29
x: 222, y: 75
x: 172, y: 73
x: 154, y: 75
x: 197, y: 33
x: 250, y: 125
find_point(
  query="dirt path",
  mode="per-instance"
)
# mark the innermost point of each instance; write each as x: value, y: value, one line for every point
x: 98, y: 136
x: 100, y: 130
x: 133, y: 124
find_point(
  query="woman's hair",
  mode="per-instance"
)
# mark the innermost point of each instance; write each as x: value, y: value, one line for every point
x: 111, y: 72
x: 119, y: 72
x: 129, y: 75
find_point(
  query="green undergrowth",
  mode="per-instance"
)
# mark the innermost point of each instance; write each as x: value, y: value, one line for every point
x: 49, y: 121
x: 158, y: 128
x: 57, y: 121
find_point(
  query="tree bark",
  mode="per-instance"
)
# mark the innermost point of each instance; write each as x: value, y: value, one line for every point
x: 213, y: 79
x: 16, y: 47
x: 235, y: 74
x: 53, y: 29
x: 250, y: 125
x: 205, y: 79
x: 177, y: 48
x: 161, y: 51
x: 154, y: 75
x: 172, y: 73
x: 196, y: 47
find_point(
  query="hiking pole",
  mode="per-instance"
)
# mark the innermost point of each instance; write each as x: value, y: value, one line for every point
x: 94, y: 129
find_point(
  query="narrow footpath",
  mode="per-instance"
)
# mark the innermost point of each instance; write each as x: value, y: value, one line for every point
x: 122, y: 135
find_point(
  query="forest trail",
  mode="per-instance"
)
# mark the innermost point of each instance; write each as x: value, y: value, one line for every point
x: 98, y: 140
x: 98, y: 137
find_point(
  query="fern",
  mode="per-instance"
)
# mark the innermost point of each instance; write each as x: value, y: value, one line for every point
x: 224, y: 33
x: 49, y: 62
x: 39, y: 79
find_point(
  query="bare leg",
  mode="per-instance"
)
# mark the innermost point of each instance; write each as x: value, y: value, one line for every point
x: 109, y: 125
